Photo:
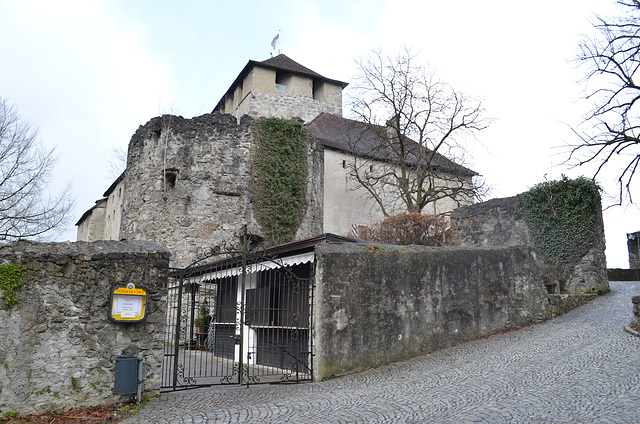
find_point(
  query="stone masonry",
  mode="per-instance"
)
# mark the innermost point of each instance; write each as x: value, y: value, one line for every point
x: 284, y: 106
x: 58, y: 347
x: 187, y: 184
x: 500, y: 222
x: 377, y: 305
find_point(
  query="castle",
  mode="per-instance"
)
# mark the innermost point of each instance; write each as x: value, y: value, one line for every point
x: 186, y: 181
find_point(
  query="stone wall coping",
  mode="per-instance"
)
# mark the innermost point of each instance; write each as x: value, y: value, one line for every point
x: 88, y: 250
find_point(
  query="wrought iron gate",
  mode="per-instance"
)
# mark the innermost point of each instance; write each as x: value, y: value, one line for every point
x: 238, y: 324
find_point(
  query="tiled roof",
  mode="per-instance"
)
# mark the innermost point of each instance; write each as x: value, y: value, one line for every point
x: 356, y: 137
x: 284, y: 63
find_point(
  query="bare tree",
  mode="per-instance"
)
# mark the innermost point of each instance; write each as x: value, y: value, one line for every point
x: 26, y: 209
x: 410, y: 150
x: 117, y: 162
x: 612, y: 58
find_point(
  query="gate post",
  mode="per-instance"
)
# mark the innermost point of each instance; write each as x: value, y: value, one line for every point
x: 242, y: 306
x: 176, y: 342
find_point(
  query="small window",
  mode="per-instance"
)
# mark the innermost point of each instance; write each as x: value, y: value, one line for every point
x: 370, y: 168
x: 317, y: 90
x: 170, y: 176
x: 281, y: 84
x: 344, y: 163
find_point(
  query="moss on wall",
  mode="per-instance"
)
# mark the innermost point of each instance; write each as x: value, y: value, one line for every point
x: 11, y: 279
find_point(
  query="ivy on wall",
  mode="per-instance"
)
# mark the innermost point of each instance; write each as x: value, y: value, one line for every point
x: 11, y: 279
x: 562, y: 218
x: 279, y: 178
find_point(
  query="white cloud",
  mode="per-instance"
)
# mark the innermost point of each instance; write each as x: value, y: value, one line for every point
x: 84, y: 78
x: 89, y: 72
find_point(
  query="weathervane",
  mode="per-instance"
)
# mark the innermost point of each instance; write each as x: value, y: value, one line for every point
x: 275, y: 42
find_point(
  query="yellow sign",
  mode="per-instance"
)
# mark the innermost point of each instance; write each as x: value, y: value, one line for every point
x: 128, y: 303
x: 126, y: 290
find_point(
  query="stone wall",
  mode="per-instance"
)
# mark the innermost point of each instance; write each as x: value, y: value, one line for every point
x: 58, y: 347
x: 633, y: 247
x: 617, y: 274
x: 375, y: 305
x: 497, y: 222
x: 563, y: 303
x: 204, y: 199
x: 286, y: 105
x: 500, y: 222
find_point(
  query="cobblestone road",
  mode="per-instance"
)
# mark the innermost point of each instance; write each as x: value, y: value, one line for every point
x: 579, y: 368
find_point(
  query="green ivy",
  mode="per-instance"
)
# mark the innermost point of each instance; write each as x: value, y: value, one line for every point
x: 11, y: 279
x: 279, y: 178
x: 562, y: 218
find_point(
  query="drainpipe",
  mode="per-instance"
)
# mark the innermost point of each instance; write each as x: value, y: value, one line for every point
x: 139, y: 394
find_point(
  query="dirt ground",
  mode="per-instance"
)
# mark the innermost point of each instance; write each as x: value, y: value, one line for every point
x: 107, y: 414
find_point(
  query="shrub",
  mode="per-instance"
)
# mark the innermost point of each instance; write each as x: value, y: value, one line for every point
x: 411, y: 228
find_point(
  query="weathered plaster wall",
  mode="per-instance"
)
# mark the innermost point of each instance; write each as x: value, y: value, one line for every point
x: 92, y: 225
x: 380, y: 304
x: 500, y: 222
x: 208, y: 200
x: 348, y: 204
x: 58, y: 347
x: 329, y: 93
x: 345, y: 204
x: 297, y: 84
x: 115, y: 199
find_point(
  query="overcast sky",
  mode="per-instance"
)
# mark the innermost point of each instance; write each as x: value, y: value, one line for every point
x: 89, y: 72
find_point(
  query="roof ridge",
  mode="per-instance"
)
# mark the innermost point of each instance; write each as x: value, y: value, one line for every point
x: 338, y: 132
x: 284, y: 62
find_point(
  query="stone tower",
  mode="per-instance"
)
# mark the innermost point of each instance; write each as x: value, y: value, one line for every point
x: 186, y: 182
x: 282, y: 88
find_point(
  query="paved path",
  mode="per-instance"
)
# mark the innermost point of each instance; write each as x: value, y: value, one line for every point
x: 579, y: 368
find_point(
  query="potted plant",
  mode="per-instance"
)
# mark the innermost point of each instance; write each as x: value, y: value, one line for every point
x: 203, y: 320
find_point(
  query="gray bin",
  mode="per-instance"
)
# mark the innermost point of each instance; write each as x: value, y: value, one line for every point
x: 126, y: 375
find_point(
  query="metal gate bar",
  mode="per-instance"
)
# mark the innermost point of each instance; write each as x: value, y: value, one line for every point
x: 226, y: 326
